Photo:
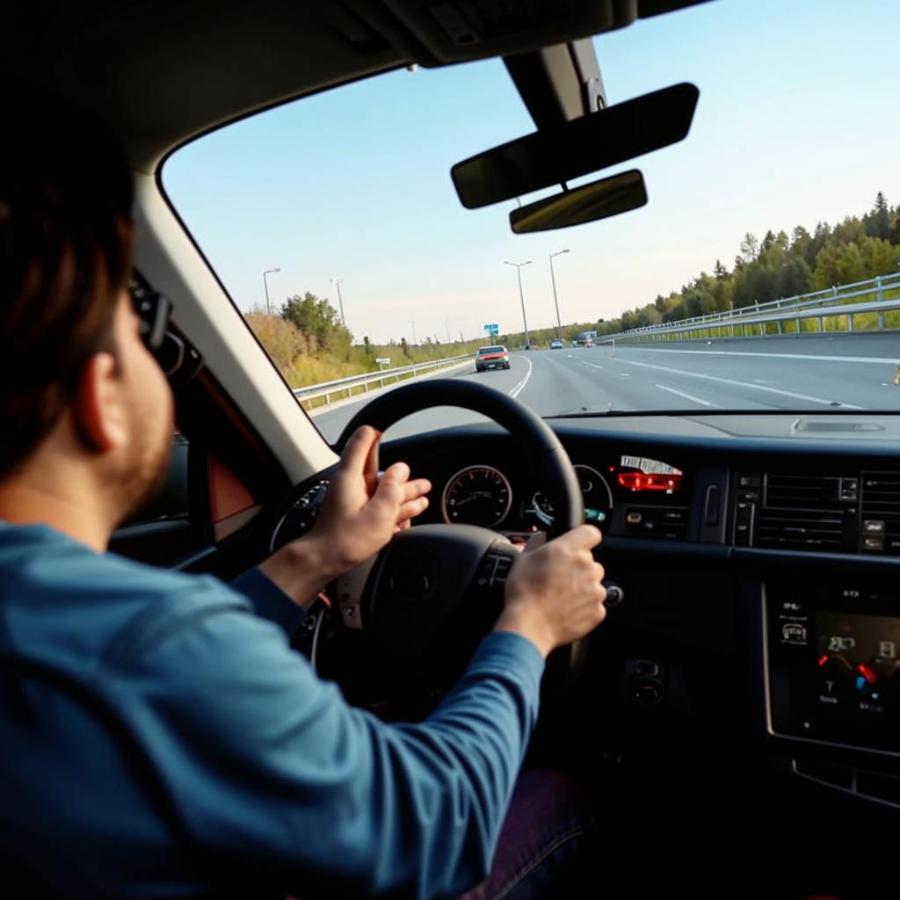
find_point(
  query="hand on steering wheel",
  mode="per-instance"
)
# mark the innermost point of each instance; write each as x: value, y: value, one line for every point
x: 403, y: 595
x: 361, y: 512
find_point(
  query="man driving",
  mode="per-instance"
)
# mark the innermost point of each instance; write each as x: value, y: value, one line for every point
x: 159, y: 735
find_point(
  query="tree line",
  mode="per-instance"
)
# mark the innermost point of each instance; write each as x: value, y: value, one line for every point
x: 310, y: 344
x: 781, y: 265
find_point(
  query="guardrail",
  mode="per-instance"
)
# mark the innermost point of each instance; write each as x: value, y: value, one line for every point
x: 344, y: 387
x: 835, y: 301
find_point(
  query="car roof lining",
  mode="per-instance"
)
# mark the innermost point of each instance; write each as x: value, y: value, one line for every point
x: 165, y: 72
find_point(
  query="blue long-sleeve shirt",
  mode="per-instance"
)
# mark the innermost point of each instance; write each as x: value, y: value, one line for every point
x: 267, y: 778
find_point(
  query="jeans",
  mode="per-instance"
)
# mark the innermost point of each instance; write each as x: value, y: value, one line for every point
x: 546, y: 838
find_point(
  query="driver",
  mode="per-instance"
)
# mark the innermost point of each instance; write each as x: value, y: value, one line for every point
x: 159, y: 735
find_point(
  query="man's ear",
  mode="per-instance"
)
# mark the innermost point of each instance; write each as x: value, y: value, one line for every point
x: 99, y: 404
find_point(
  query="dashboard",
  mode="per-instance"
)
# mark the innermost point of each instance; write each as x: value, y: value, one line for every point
x: 759, y: 561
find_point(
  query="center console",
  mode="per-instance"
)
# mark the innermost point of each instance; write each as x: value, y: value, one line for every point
x: 832, y: 657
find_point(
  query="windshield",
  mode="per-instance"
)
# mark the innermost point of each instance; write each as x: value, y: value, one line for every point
x: 764, y: 272
x: 484, y: 350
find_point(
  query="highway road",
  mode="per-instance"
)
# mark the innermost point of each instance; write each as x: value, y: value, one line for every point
x: 814, y: 373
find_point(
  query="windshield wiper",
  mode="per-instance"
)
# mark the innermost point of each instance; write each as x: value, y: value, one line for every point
x: 581, y: 411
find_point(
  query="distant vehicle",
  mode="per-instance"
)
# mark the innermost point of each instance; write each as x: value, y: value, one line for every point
x: 496, y: 357
x: 585, y: 339
x: 556, y: 344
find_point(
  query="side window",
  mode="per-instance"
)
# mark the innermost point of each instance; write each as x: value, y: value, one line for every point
x: 162, y: 531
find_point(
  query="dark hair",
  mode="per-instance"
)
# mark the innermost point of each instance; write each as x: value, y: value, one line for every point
x: 65, y: 255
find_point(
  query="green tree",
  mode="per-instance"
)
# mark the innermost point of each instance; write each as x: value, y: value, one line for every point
x: 795, y: 277
x: 880, y: 257
x: 877, y: 222
x: 838, y: 264
x: 801, y: 241
x: 316, y: 318
x: 894, y: 236
x: 749, y: 247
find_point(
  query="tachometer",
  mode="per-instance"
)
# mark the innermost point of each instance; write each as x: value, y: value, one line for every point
x: 477, y: 495
x: 598, y: 498
x: 595, y: 491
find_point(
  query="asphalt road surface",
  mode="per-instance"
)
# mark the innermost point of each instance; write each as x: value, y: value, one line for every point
x: 843, y: 371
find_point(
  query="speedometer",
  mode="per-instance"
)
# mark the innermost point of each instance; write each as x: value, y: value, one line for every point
x: 477, y: 495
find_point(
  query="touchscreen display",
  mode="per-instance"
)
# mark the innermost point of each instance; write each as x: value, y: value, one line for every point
x: 833, y: 674
x: 857, y: 659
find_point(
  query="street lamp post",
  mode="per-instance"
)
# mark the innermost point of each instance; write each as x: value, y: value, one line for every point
x: 518, y: 266
x: 337, y: 286
x: 555, y: 300
x: 266, y: 289
x: 415, y: 339
x: 447, y: 321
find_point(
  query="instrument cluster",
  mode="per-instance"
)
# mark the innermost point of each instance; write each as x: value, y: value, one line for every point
x: 485, y: 495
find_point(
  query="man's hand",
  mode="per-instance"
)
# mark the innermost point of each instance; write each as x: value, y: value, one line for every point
x: 553, y: 593
x: 361, y: 513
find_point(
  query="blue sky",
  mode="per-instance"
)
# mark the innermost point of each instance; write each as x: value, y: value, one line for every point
x: 796, y: 123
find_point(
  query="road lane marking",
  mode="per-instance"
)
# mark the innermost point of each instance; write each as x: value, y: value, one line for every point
x: 592, y: 365
x: 881, y: 360
x: 743, y: 384
x: 518, y: 388
x: 672, y: 390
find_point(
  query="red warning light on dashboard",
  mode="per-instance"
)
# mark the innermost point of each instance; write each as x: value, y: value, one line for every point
x: 640, y: 481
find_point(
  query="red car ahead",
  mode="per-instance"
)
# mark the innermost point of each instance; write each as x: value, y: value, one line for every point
x: 491, y: 358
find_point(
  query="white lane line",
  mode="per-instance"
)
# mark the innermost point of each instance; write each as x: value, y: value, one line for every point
x: 672, y: 390
x: 743, y: 384
x: 592, y: 365
x: 881, y: 360
x: 518, y: 388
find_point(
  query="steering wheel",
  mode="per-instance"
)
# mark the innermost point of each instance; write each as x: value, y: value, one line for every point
x: 402, y: 596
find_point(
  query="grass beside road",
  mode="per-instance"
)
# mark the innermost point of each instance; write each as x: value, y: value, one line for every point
x: 310, y: 359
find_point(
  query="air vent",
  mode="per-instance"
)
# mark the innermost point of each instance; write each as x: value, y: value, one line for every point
x: 808, y: 512
x: 809, y: 492
x: 880, y: 512
x: 800, y: 531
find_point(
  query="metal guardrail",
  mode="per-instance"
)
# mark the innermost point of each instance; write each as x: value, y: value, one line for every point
x: 816, y: 305
x: 344, y: 386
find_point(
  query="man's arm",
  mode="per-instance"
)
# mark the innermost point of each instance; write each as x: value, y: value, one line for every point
x: 272, y: 771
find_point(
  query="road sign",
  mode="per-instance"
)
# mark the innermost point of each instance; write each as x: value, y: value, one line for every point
x: 383, y: 361
x: 492, y: 328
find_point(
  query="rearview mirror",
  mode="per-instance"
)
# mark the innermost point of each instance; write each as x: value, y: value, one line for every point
x: 598, y: 200
x: 577, y: 147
